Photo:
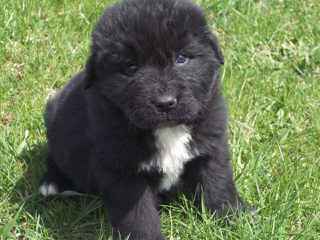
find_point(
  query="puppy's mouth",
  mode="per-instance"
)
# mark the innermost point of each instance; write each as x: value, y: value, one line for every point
x: 161, y: 121
x: 148, y: 117
x: 168, y: 123
x: 156, y: 125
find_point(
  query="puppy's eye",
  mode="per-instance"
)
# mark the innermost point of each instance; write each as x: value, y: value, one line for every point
x: 181, y: 60
x: 131, y: 69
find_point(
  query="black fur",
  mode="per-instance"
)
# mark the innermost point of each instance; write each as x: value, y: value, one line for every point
x: 100, y: 125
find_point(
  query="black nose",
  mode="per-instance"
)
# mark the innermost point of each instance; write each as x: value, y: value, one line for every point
x: 166, y: 102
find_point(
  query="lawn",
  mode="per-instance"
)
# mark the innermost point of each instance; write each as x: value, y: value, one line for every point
x: 270, y: 79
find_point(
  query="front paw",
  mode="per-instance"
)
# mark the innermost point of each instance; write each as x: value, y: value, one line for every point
x: 138, y: 236
x: 230, y: 210
x: 161, y: 238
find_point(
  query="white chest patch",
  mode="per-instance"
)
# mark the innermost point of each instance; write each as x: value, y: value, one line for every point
x: 173, y: 153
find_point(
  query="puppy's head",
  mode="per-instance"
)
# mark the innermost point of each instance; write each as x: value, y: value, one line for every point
x: 156, y: 60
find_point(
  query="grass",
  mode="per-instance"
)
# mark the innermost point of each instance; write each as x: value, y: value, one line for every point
x: 271, y: 81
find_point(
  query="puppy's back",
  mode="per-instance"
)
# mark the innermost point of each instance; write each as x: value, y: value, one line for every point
x: 51, y: 107
x: 67, y: 122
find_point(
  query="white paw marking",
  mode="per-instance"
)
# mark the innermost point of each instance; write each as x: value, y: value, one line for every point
x: 51, y: 189
x: 174, y: 152
x: 48, y: 189
x: 70, y: 193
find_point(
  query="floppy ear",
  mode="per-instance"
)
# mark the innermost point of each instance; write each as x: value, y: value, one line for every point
x: 216, y: 47
x: 90, y: 76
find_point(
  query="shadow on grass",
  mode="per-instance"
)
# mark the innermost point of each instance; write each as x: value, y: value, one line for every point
x: 81, y: 217
x: 70, y: 218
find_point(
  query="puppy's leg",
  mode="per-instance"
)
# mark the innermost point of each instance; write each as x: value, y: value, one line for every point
x: 219, y: 191
x: 212, y: 178
x: 132, y: 210
x: 55, y: 182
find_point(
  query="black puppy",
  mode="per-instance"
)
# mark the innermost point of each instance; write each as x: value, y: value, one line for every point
x: 145, y: 119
